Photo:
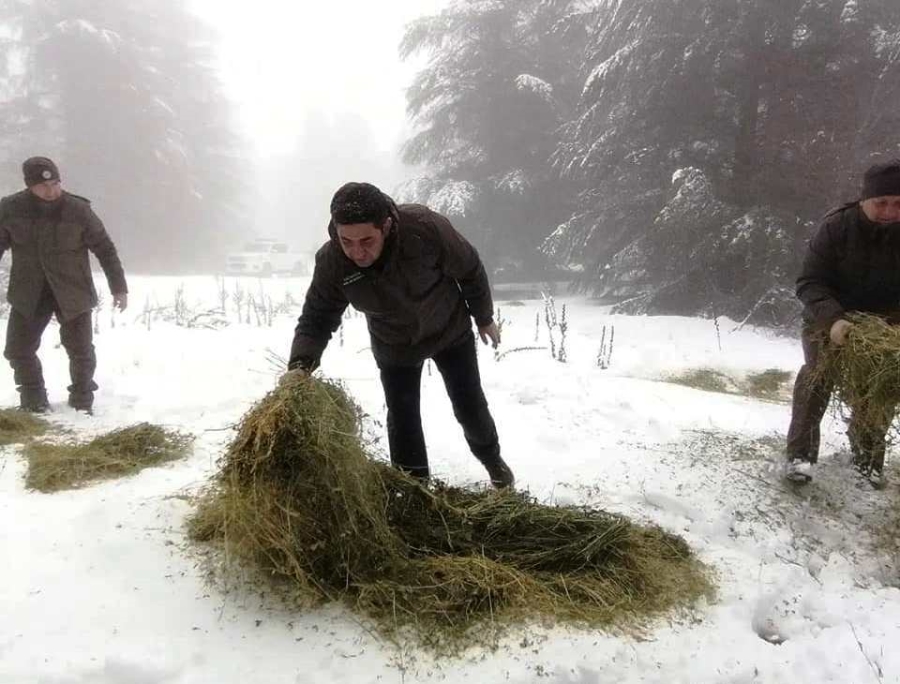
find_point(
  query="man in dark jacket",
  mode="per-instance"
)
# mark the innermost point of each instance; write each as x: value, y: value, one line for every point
x: 50, y: 232
x: 852, y: 264
x: 419, y: 284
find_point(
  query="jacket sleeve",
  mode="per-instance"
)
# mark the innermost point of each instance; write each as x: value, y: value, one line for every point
x: 5, y: 241
x: 321, y: 316
x: 817, y: 286
x: 460, y: 261
x: 99, y: 242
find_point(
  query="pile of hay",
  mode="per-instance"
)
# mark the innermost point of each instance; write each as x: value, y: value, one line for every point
x: 865, y: 372
x: 67, y: 465
x: 298, y: 499
x: 705, y: 379
x: 19, y: 427
x: 768, y: 384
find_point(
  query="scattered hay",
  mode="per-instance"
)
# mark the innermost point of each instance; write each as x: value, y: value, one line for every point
x: 52, y: 467
x: 19, y: 427
x: 886, y: 538
x: 298, y: 500
x: 769, y: 384
x: 705, y: 379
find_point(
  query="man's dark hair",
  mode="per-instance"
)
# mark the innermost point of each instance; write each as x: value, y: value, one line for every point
x: 360, y: 203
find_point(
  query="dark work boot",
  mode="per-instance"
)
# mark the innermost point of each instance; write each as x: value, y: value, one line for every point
x: 82, y: 401
x: 871, y: 466
x: 868, y: 446
x: 33, y: 400
x: 501, y: 475
x: 798, y: 470
x: 862, y: 461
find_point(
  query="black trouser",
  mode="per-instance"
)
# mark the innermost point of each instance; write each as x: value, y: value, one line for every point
x: 23, y: 339
x: 458, y: 366
x: 811, y: 396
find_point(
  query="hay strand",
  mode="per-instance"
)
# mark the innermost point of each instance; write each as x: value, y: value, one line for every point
x: 68, y: 465
x: 19, y: 427
x: 298, y: 500
x: 865, y: 373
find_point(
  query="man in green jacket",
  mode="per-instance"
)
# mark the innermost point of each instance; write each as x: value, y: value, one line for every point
x: 49, y: 232
x: 420, y: 284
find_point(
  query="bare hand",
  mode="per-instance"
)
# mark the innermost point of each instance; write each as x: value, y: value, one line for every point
x: 293, y: 376
x: 120, y: 301
x: 490, y: 331
x: 838, y: 332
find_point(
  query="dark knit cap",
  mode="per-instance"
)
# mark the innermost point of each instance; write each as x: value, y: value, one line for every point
x: 39, y: 169
x: 360, y: 203
x: 882, y: 179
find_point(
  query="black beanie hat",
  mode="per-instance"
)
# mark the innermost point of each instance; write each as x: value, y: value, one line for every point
x: 39, y: 169
x: 882, y: 179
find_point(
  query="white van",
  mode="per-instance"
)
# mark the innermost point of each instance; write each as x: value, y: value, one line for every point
x: 264, y: 257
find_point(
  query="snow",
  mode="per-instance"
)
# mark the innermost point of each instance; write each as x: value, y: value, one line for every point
x: 416, y: 189
x: 801, y: 35
x: 85, y: 27
x: 515, y: 182
x: 850, y: 12
x: 884, y: 41
x: 453, y: 198
x: 604, y: 68
x: 533, y: 84
x: 447, y: 196
x: 100, y: 586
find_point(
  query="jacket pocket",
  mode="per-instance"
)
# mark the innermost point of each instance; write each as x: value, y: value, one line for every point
x: 67, y: 237
x: 22, y: 234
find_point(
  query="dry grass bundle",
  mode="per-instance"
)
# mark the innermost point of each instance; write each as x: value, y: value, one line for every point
x: 706, y: 379
x: 768, y: 384
x: 19, y: 427
x: 865, y: 372
x: 52, y: 467
x: 298, y: 500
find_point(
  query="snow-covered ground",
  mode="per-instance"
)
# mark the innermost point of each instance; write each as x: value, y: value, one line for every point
x: 100, y: 585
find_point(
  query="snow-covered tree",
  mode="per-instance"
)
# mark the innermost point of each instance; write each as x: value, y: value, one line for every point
x: 124, y: 95
x: 501, y: 79
x: 711, y: 134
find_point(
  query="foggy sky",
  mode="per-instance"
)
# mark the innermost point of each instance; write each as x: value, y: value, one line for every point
x: 295, y: 70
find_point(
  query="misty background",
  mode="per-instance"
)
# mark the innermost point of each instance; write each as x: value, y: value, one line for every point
x: 671, y: 156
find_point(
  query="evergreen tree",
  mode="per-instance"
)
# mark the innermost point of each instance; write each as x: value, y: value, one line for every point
x: 123, y: 94
x: 710, y: 137
x: 501, y: 79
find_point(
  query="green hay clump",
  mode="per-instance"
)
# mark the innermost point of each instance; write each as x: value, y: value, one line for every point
x: 865, y: 372
x: 769, y: 384
x: 298, y: 500
x: 705, y: 379
x: 67, y: 465
x: 19, y: 427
